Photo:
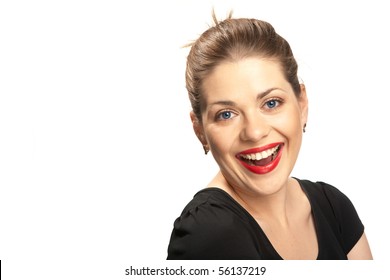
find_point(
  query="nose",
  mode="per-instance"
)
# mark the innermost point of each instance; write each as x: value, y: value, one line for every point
x: 254, y: 128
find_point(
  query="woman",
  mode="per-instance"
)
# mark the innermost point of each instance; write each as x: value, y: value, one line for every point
x: 250, y: 111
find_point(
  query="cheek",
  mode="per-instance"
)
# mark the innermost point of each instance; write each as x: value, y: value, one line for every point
x: 289, y: 123
x: 220, y: 140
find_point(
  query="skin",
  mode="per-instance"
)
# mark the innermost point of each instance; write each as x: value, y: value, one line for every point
x: 249, y: 104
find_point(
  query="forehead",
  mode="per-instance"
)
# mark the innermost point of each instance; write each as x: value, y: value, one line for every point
x: 246, y: 76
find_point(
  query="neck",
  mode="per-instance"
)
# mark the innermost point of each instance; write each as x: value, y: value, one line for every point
x: 264, y: 208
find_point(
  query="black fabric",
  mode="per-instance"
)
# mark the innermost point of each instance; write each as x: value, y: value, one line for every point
x: 213, y: 226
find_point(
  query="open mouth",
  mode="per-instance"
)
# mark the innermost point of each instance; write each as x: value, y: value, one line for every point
x: 261, y: 160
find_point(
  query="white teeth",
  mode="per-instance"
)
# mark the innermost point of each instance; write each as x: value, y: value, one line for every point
x: 261, y: 155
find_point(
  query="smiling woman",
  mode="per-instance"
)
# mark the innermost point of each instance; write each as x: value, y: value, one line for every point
x: 250, y: 111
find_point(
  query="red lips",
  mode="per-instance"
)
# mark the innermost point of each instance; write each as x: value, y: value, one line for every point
x: 265, y: 165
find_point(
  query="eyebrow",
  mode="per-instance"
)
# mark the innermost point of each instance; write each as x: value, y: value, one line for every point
x: 260, y: 96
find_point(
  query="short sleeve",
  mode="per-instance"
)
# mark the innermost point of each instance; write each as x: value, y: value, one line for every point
x: 210, y: 232
x: 350, y: 226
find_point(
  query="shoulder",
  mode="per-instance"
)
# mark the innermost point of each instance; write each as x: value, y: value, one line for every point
x: 215, y: 204
x: 325, y: 193
x: 209, y: 222
x: 208, y: 207
x: 338, y: 210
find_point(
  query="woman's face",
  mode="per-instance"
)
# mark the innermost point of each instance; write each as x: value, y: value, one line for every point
x: 252, y: 122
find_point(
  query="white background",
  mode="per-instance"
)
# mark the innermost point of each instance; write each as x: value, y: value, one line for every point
x: 97, y: 153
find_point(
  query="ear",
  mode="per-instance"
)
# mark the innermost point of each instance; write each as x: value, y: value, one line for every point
x: 198, y: 128
x: 304, y: 105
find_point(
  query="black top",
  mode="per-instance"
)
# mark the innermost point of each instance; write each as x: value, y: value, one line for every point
x: 213, y: 226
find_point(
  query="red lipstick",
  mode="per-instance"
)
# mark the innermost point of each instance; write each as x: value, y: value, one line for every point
x: 265, y: 165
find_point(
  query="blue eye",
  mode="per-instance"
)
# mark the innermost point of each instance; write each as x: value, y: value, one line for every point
x: 225, y: 115
x: 272, y: 103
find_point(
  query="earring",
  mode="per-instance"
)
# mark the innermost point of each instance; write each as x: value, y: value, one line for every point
x: 206, y: 149
x: 304, y: 128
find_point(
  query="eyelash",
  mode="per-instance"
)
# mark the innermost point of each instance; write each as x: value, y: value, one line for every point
x: 278, y: 103
x: 219, y: 115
